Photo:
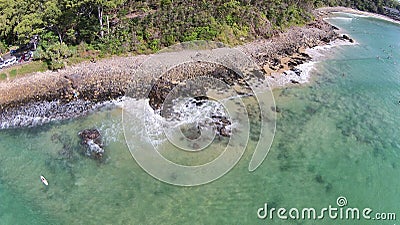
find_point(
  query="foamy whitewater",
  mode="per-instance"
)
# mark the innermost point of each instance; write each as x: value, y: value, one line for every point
x: 39, y: 113
x: 201, y: 115
x: 302, y: 73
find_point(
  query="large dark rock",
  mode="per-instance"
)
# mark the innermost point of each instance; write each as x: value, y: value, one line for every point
x: 294, y: 81
x: 91, y: 138
x: 179, y: 77
x: 347, y: 38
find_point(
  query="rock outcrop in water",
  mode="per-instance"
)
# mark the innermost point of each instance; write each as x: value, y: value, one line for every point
x: 286, y: 50
x: 213, y: 115
x: 91, y: 138
x: 179, y: 77
x: 222, y: 125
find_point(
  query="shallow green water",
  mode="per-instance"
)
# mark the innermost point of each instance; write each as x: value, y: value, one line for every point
x: 337, y: 136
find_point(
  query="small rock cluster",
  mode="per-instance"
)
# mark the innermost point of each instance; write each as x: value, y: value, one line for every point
x: 222, y: 125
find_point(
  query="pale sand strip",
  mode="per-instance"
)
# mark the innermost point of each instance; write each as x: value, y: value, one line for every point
x: 357, y: 12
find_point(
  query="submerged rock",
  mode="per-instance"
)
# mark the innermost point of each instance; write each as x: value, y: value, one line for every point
x: 294, y: 81
x: 347, y: 38
x: 92, y: 139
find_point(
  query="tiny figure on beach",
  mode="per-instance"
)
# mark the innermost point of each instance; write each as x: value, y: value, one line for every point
x: 76, y: 94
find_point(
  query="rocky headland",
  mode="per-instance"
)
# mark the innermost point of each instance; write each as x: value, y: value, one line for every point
x: 83, y: 87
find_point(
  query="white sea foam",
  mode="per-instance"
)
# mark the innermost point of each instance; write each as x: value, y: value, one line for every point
x: 111, y: 130
x: 345, y: 19
x: 39, y: 113
x: 319, y: 52
x: 293, y: 77
x: 302, y: 73
x: 185, y: 111
x: 350, y: 14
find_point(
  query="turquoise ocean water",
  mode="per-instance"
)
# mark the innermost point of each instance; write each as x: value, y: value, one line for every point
x: 336, y: 136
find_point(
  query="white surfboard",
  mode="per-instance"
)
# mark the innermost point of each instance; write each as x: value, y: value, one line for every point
x: 44, y: 181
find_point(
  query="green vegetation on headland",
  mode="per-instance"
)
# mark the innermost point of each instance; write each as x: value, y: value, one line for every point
x: 74, y: 30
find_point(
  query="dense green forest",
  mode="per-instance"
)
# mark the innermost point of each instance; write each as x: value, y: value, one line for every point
x: 92, y: 28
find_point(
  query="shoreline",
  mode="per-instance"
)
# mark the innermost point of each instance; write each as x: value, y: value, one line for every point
x: 96, y: 83
x: 340, y: 9
x: 302, y: 73
x: 287, y: 76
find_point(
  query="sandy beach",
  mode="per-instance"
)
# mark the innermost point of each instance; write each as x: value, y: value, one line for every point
x: 357, y: 12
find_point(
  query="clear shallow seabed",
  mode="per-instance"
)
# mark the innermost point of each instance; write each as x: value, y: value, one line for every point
x: 337, y: 136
